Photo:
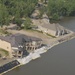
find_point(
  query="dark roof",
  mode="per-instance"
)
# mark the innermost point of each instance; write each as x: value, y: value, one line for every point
x: 18, y: 39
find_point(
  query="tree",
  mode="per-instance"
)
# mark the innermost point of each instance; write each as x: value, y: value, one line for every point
x: 18, y: 21
x: 4, y: 15
x: 27, y: 23
x: 61, y: 8
x: 16, y: 8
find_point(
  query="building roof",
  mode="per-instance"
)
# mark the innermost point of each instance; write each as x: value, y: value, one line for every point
x: 53, y: 26
x: 49, y: 26
x: 18, y: 39
x: 46, y: 24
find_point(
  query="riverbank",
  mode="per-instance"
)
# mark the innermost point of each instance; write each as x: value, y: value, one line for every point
x: 63, y: 39
x: 42, y: 50
x: 37, y: 53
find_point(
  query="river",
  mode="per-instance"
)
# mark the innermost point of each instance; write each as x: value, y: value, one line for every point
x: 60, y: 60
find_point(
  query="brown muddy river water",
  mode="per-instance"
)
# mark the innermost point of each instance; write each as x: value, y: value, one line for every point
x: 60, y: 60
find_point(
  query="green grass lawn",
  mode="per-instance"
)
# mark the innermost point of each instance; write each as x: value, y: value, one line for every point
x: 4, y: 32
x: 4, y: 52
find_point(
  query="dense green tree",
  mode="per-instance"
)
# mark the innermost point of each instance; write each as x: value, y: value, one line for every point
x: 61, y: 8
x: 27, y: 23
x: 17, y: 21
x: 4, y: 16
x: 16, y: 8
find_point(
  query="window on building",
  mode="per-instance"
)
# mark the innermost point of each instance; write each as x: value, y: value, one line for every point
x: 19, y: 52
x: 30, y: 48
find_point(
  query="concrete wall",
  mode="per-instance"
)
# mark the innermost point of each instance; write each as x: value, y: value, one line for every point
x: 6, y: 46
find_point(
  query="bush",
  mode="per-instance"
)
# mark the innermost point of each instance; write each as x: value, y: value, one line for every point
x: 27, y: 24
x: 55, y: 16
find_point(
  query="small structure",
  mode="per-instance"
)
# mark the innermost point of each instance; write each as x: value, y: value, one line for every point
x: 19, y: 44
x: 45, y: 26
x: 53, y: 29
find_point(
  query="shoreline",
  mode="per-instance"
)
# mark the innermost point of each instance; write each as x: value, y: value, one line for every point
x: 10, y: 69
x: 57, y: 41
x: 65, y: 40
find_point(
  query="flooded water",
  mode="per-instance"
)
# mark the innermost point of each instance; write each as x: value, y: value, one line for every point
x: 60, y: 60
